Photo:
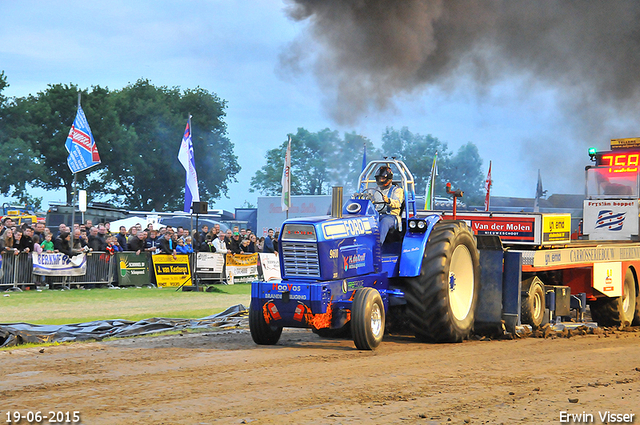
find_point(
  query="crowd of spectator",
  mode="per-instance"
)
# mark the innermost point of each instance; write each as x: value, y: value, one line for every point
x: 36, y: 237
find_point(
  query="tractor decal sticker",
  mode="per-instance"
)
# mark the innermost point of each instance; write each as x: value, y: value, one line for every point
x: 609, y: 220
x: 270, y: 312
x: 304, y: 314
x: 452, y: 281
x: 346, y: 228
x: 608, y: 281
x: 354, y: 261
x: 298, y: 315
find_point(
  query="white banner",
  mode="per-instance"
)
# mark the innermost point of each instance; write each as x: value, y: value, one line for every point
x: 59, y: 264
x: 210, y: 262
x: 242, y: 268
x: 270, y: 266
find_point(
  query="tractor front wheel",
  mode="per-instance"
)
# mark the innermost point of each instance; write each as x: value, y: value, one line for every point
x: 367, y: 319
x: 262, y: 332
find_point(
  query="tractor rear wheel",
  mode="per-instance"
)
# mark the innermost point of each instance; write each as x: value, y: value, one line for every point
x: 533, y: 304
x: 441, y: 302
x: 262, y: 332
x: 367, y: 319
x: 617, y: 311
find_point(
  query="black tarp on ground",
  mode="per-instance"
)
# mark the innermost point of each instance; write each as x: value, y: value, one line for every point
x: 22, y: 333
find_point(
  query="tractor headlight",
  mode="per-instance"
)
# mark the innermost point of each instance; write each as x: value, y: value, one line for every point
x: 417, y: 225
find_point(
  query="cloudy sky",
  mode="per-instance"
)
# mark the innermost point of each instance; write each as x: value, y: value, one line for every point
x: 281, y: 66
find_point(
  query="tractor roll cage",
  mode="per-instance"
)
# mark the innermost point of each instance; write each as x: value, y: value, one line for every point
x: 406, y: 182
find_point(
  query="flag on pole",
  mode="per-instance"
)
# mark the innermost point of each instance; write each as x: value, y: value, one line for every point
x: 285, y: 201
x: 431, y: 184
x: 186, y: 158
x: 83, y: 152
x: 364, y: 157
x: 539, y: 194
x: 487, y: 186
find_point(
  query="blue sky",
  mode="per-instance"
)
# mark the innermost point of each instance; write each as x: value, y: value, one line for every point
x: 232, y: 48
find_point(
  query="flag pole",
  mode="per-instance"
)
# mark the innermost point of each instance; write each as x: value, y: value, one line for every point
x: 73, y: 188
x: 191, y: 135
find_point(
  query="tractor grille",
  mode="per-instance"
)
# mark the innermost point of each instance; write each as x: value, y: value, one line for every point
x: 301, y: 259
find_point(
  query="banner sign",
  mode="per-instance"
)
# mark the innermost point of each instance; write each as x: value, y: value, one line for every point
x: 586, y: 255
x: 59, y: 264
x: 242, y: 268
x: 270, y: 266
x: 611, y: 219
x: 170, y: 272
x: 133, y: 270
x: 210, y: 262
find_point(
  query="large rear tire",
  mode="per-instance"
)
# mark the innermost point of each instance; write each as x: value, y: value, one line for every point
x: 441, y: 302
x: 262, y: 332
x: 617, y: 311
x: 533, y: 303
x: 367, y: 319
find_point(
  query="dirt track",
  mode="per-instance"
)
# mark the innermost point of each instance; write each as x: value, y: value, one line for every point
x: 225, y: 378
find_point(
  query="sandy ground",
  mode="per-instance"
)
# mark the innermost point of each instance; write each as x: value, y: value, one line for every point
x: 222, y: 377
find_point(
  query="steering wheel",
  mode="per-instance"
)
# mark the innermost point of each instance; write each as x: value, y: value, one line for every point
x: 371, y: 192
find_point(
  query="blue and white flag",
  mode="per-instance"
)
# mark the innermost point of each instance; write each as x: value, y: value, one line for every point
x: 82, y: 149
x: 185, y: 156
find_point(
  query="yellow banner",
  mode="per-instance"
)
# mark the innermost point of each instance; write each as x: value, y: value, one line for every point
x: 242, y: 260
x: 631, y: 142
x: 171, y: 272
x: 556, y: 228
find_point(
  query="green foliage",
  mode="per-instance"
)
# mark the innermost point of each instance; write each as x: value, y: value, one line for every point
x: 17, y: 153
x: 417, y: 152
x: 137, y: 130
x: 318, y: 161
x: 321, y: 160
x: 462, y: 170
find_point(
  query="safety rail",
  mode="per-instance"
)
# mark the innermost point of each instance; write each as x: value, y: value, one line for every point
x: 102, y: 270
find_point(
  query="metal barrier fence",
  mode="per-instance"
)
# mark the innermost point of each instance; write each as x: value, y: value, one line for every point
x: 102, y: 269
x: 17, y: 271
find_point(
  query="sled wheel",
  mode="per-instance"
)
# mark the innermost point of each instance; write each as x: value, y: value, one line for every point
x: 441, y: 302
x: 533, y: 304
x: 261, y: 332
x: 617, y: 311
x: 367, y: 319
x: 636, y: 315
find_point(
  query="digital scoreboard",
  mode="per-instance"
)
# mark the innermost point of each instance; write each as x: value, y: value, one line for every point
x: 619, y: 160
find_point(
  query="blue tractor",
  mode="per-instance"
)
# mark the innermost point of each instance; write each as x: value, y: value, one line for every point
x: 337, y: 276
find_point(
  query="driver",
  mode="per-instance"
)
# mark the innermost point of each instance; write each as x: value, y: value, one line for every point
x: 393, y: 196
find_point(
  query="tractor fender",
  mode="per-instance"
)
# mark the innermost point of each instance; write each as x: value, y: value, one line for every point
x: 413, y: 247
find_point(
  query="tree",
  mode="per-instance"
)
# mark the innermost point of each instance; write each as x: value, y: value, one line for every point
x: 417, y: 152
x: 18, y: 156
x: 146, y: 143
x: 137, y: 131
x: 48, y: 116
x: 346, y: 162
x: 310, y: 172
x: 462, y: 170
